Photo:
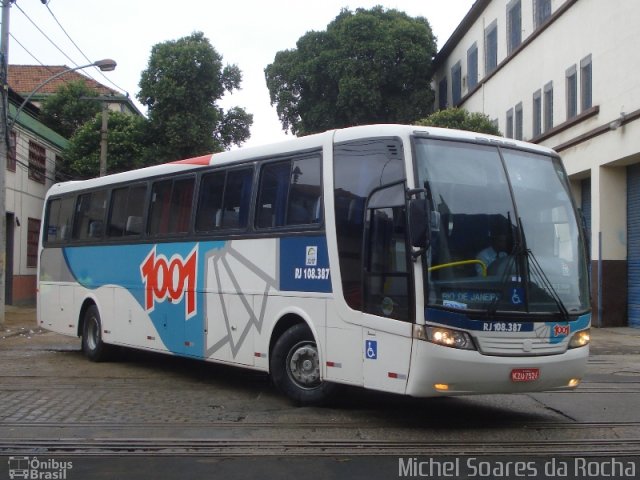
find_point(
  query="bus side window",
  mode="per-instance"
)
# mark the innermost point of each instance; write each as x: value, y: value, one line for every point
x: 224, y: 200
x: 171, y: 202
x: 209, y: 214
x: 59, y: 218
x: 237, y: 198
x: 290, y: 193
x: 274, y: 186
x: 305, y: 204
x: 126, y: 211
x: 89, y: 219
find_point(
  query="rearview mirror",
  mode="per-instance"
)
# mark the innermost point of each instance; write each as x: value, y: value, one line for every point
x: 419, y: 222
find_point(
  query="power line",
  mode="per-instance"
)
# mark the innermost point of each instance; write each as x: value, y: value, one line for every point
x: 30, y: 54
x: 53, y: 43
x: 46, y: 36
x: 81, y: 52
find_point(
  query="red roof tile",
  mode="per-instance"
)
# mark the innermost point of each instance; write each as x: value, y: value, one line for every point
x: 23, y: 79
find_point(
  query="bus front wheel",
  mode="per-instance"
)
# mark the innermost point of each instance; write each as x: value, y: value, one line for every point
x: 92, y: 345
x: 295, y: 367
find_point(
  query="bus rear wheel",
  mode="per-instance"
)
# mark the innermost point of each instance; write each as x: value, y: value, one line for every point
x: 295, y: 367
x: 92, y: 345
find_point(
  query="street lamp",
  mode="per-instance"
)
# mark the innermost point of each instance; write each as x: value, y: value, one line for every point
x: 106, y: 65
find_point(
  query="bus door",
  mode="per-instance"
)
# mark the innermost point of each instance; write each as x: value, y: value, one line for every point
x: 387, y: 290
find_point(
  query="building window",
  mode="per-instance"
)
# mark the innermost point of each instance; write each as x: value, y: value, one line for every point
x: 472, y: 66
x: 537, y: 113
x: 33, y: 234
x: 541, y: 11
x: 509, y: 129
x: 518, y: 121
x: 514, y: 25
x: 548, y: 106
x: 456, y: 84
x: 491, y: 48
x: 586, y: 83
x: 572, y: 92
x: 37, y: 158
x: 442, y: 94
x: 11, y: 153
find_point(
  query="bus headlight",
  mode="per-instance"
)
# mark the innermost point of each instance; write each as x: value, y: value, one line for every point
x: 449, y: 338
x: 580, y: 339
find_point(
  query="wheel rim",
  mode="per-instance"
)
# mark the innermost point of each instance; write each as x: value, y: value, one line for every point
x: 93, y: 334
x: 303, y: 365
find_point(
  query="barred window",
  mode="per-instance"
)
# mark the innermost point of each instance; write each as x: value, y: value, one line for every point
x: 37, y: 158
x: 33, y: 235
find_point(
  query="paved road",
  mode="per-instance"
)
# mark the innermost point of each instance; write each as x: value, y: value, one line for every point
x: 153, y: 416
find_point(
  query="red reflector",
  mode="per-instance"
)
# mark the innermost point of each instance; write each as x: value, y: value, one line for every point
x: 525, y: 374
x: 393, y: 375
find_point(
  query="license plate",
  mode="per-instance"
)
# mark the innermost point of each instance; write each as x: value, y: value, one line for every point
x: 525, y: 374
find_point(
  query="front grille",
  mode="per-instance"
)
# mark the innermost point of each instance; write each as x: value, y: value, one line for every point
x: 518, y: 346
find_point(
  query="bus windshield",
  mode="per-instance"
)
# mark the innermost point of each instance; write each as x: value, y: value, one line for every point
x: 504, y: 235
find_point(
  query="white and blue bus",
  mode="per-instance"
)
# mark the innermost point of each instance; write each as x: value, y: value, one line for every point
x: 404, y: 259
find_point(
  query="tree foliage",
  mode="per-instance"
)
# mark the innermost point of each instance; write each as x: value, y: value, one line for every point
x: 181, y: 86
x: 70, y: 107
x: 461, y: 119
x: 125, y: 150
x: 371, y: 66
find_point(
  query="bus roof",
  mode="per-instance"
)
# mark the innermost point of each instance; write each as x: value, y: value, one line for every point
x: 309, y: 142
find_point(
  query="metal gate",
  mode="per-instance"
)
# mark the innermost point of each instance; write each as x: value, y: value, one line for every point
x: 633, y: 244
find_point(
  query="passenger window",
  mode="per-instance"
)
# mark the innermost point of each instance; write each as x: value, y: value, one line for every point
x: 224, y: 200
x: 237, y: 199
x: 305, y: 204
x: 290, y: 193
x: 89, y: 221
x: 60, y: 218
x: 274, y: 186
x: 171, y: 202
x: 127, y: 211
x: 210, y: 204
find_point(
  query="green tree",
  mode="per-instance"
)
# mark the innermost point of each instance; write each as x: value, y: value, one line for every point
x: 125, y: 150
x: 461, y: 119
x: 181, y: 87
x: 371, y: 66
x: 69, y: 108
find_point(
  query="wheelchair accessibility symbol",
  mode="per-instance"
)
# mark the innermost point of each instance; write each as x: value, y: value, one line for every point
x: 517, y: 296
x: 371, y: 349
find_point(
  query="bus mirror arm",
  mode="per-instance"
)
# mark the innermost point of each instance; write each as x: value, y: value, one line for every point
x: 419, y: 222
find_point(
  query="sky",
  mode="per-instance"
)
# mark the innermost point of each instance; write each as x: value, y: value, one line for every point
x: 247, y: 33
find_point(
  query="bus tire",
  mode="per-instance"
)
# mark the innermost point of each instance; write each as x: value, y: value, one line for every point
x: 295, y: 367
x: 92, y: 345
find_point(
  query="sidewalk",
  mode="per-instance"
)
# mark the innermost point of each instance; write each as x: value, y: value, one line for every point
x: 21, y: 321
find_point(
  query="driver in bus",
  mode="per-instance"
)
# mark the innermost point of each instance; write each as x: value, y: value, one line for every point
x: 498, y: 246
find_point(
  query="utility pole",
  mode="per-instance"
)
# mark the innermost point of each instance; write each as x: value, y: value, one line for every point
x: 4, y: 141
x: 103, y: 138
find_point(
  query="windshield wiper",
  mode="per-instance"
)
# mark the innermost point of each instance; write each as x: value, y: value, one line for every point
x: 546, y: 284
